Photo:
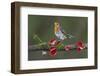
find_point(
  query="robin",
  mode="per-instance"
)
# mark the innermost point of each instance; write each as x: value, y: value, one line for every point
x: 58, y: 32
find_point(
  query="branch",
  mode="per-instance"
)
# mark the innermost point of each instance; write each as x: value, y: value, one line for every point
x: 39, y: 47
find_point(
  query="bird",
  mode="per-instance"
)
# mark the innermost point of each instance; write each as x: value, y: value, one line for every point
x: 59, y: 32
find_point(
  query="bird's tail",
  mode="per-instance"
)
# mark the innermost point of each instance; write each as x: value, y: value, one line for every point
x: 70, y: 36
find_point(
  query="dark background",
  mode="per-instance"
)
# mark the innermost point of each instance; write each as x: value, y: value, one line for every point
x: 43, y: 27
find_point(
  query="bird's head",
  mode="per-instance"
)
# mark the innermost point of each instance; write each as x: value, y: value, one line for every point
x: 57, y: 25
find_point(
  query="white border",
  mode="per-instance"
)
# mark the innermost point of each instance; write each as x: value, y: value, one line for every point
x: 25, y: 64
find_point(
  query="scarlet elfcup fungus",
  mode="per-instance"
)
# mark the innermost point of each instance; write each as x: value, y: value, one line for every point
x: 53, y: 51
x: 52, y: 42
x: 80, y: 46
x: 67, y: 47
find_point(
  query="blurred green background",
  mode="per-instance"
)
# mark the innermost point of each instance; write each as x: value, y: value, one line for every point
x: 43, y: 27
